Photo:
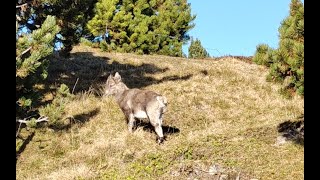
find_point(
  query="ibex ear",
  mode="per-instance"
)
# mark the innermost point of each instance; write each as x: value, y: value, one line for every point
x: 110, y: 80
x: 109, y: 77
x: 117, y: 77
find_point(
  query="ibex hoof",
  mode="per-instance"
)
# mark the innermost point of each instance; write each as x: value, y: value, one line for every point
x: 160, y: 140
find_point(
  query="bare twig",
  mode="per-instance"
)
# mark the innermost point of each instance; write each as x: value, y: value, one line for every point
x: 40, y: 119
x: 201, y: 170
x: 25, y: 51
x: 22, y: 5
x: 74, y: 85
x: 238, y: 177
x: 18, y: 18
x: 18, y: 130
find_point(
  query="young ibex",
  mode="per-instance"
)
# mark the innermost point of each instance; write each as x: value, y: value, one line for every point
x: 136, y: 103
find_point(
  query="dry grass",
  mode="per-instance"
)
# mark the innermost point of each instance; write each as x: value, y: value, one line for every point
x: 221, y: 113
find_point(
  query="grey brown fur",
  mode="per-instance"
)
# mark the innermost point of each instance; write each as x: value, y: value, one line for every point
x: 136, y: 103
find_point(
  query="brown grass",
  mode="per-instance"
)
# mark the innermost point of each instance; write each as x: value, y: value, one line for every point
x: 223, y: 113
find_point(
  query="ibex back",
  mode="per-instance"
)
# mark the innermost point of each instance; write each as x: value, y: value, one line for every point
x: 136, y: 103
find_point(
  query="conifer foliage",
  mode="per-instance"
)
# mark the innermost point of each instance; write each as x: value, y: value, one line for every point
x: 287, y: 62
x: 71, y: 16
x: 197, y: 51
x: 143, y: 26
x: 40, y: 25
x: 31, y: 63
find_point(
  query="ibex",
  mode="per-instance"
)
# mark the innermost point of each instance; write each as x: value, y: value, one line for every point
x: 136, y: 103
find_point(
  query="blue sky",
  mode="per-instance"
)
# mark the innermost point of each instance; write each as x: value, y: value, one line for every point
x: 233, y: 27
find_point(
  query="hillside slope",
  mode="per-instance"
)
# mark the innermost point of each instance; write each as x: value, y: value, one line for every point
x: 221, y: 121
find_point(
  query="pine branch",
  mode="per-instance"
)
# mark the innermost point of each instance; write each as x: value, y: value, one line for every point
x: 25, y: 51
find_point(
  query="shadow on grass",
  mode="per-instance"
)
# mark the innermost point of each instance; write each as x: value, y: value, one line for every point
x: 293, y: 131
x: 24, y: 145
x: 84, y: 71
x: 167, y: 130
x: 79, y: 119
x: 204, y: 72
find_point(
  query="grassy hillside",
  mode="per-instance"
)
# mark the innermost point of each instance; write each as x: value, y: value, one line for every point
x: 221, y: 122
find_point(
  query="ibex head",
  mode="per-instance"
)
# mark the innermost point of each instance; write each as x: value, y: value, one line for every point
x: 114, y: 85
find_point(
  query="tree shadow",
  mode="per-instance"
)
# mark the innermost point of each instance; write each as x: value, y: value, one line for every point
x: 204, y: 72
x: 292, y: 130
x: 174, y: 78
x: 24, y: 145
x: 79, y: 119
x: 85, y: 72
x: 146, y: 126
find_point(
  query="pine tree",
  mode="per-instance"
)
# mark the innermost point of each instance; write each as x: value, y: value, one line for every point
x: 263, y: 55
x: 143, y: 26
x: 287, y: 62
x: 196, y: 50
x: 174, y: 22
x: 71, y: 17
x: 31, y: 63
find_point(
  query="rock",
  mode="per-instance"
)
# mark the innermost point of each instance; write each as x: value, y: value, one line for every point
x: 223, y: 177
x: 215, y: 169
x: 280, y: 140
x: 175, y: 173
